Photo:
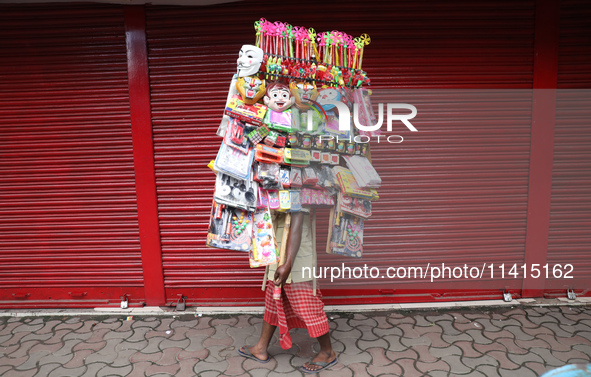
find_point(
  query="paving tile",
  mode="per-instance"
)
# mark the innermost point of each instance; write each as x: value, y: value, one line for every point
x: 521, y: 372
x: 511, y: 346
x: 394, y: 343
x: 293, y: 373
x: 436, y: 340
x: 363, y: 322
x: 43, y: 370
x: 353, y: 334
x: 489, y: 325
x: 366, y: 332
x: 151, y: 357
x: 478, y: 337
x: 427, y: 367
x: 113, y: 371
x: 494, y: 346
x: 56, y: 357
x: 27, y: 327
x: 504, y: 362
x: 88, y: 346
x: 448, y: 328
x: 186, y: 368
x: 164, y: 369
x: 473, y: 362
x: 364, y: 344
x: 79, y: 359
x: 23, y: 349
x: 460, y: 317
x: 384, y: 332
x: 396, y: 319
x: 250, y: 365
x: 408, y: 367
x: 488, y: 371
x: 561, y: 329
x: 424, y: 354
x: 406, y: 354
x: 139, y: 369
x: 468, y: 349
x: 283, y: 363
x: 32, y: 361
x: 61, y: 371
x: 450, y: 339
x: 14, y: 339
x: 227, y: 341
x: 547, y: 356
x: 234, y: 366
x: 584, y: 334
x: 444, y: 352
x: 77, y: 336
x: 351, y: 346
x: 382, y: 322
x: 570, y: 355
x: 23, y: 373
x: 344, y: 372
x: 409, y: 331
x: 153, y: 345
x: 525, y: 344
x: 378, y: 357
x: 382, y: 371
x: 168, y: 343
x: 347, y: 359
x: 537, y: 368
x: 184, y: 354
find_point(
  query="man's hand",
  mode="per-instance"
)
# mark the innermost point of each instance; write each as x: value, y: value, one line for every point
x: 282, y: 273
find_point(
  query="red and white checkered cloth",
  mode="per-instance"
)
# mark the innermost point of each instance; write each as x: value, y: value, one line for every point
x: 297, y: 308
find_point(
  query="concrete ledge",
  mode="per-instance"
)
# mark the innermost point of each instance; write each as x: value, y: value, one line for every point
x: 258, y: 310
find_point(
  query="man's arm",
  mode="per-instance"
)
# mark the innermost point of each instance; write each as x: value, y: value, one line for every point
x: 294, y: 239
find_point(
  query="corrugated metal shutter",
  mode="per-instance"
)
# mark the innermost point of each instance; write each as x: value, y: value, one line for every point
x: 569, y: 238
x: 68, y: 216
x: 456, y: 192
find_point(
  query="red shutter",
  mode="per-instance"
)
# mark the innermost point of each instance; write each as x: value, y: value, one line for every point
x: 570, y: 227
x: 455, y: 192
x: 68, y: 212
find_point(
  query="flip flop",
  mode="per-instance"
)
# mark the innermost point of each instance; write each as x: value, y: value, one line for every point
x: 246, y: 353
x: 321, y: 364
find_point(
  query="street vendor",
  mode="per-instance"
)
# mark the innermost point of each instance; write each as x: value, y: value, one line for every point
x: 300, y: 304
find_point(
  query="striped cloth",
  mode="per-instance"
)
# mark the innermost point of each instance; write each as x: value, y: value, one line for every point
x: 297, y: 308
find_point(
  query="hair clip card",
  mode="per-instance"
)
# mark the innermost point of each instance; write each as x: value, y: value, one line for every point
x: 235, y: 192
x: 229, y: 228
x: 233, y: 162
x: 264, y: 247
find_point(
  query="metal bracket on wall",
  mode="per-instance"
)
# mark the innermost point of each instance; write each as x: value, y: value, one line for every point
x: 507, y: 297
x: 570, y: 294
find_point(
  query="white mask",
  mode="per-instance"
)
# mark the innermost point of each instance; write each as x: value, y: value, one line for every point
x: 249, y: 60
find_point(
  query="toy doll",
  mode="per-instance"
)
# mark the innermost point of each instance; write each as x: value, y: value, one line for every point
x: 279, y: 100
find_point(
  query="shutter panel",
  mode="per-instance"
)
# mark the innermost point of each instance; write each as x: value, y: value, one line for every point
x: 455, y: 192
x: 68, y: 217
x: 569, y: 239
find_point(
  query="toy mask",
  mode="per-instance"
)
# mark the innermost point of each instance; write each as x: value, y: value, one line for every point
x: 249, y: 60
x: 328, y: 94
x: 303, y: 91
x: 278, y: 97
x: 251, y: 89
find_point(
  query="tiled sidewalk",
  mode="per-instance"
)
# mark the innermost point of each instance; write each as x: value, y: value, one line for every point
x: 519, y: 342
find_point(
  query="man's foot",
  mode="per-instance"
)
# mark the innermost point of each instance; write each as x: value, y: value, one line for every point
x: 254, y: 354
x: 320, y: 362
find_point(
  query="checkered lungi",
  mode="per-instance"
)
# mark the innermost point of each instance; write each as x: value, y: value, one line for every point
x: 297, y: 308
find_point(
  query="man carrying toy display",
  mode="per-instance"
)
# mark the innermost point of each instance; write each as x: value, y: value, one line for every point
x: 299, y: 304
x: 275, y: 166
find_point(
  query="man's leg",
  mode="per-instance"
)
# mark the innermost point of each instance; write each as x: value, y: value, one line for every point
x: 326, y: 353
x: 260, y: 349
